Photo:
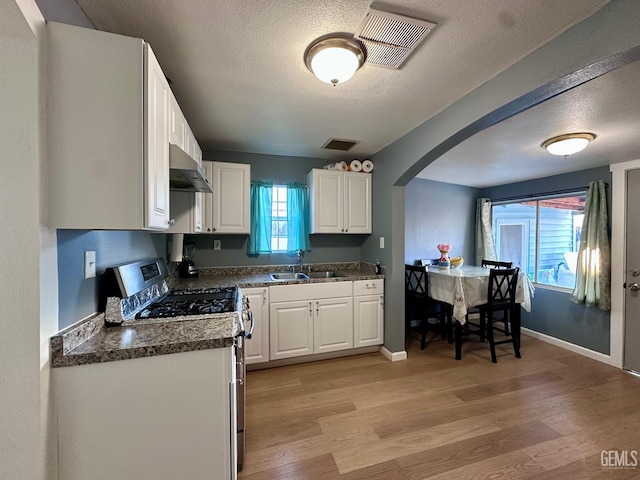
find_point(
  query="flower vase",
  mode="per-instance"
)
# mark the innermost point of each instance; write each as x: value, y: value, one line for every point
x: 443, y: 261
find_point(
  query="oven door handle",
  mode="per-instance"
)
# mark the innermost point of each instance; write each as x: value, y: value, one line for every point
x: 253, y: 324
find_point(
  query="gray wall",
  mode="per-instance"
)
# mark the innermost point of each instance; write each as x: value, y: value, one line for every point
x: 280, y: 170
x: 552, y: 312
x: 584, y: 51
x: 437, y: 212
x: 77, y: 296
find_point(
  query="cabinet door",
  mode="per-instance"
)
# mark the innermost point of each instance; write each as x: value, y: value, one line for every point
x: 333, y: 325
x: 230, y: 204
x: 326, y: 201
x: 177, y: 125
x: 257, y: 347
x: 368, y: 325
x: 357, y: 204
x: 156, y: 157
x: 291, y: 329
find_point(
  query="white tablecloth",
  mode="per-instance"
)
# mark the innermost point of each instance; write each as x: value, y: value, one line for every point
x: 467, y: 286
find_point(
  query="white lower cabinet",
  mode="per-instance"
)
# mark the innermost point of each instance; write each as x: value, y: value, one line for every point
x: 152, y: 418
x: 368, y: 313
x: 333, y: 324
x: 257, y: 347
x: 310, y: 318
x: 291, y: 329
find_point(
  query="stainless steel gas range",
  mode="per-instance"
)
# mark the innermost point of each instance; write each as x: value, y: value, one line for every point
x: 138, y: 293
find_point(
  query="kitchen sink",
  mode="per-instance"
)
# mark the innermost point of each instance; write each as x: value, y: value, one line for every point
x: 288, y: 276
x: 325, y: 274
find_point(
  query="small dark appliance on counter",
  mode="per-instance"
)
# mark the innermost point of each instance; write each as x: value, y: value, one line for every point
x: 187, y: 269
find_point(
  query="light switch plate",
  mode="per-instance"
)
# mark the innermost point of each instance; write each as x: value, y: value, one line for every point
x: 89, y: 264
x: 381, y: 242
x: 217, y: 244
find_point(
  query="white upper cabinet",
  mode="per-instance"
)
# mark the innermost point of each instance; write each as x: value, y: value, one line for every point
x: 339, y: 202
x: 227, y: 210
x: 109, y: 124
x: 177, y: 125
x: 156, y: 156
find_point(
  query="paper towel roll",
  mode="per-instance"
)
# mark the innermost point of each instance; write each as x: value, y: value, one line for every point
x: 342, y: 165
x: 367, y: 166
x: 355, y: 165
x: 177, y: 242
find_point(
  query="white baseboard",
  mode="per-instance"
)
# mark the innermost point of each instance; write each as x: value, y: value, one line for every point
x: 601, y: 357
x: 393, y: 356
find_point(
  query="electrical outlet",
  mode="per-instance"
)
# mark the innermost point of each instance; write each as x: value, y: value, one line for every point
x: 217, y: 244
x: 89, y: 264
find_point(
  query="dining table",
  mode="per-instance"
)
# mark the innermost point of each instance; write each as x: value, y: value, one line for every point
x: 468, y: 286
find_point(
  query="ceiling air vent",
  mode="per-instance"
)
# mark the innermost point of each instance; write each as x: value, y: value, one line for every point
x: 389, y: 38
x: 340, y: 144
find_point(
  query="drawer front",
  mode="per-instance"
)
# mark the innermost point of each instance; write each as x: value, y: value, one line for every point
x: 368, y: 287
x: 310, y: 291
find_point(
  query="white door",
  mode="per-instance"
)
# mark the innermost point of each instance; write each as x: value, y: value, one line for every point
x: 333, y: 325
x: 357, y: 204
x: 327, y: 201
x: 291, y: 329
x: 632, y: 275
x: 231, y: 183
x: 156, y: 161
x: 257, y: 347
x: 367, y: 320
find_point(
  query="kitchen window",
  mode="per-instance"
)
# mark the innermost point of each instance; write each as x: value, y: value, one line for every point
x: 279, y: 235
x: 541, y: 235
x: 279, y: 218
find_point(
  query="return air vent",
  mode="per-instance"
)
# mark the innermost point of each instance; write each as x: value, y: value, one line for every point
x: 340, y: 144
x: 389, y: 38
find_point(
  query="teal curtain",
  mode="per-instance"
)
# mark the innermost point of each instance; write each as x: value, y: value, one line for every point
x: 593, y: 276
x: 297, y: 218
x: 260, y: 232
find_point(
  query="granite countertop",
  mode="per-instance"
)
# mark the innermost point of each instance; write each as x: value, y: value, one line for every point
x: 89, y: 341
x: 258, y: 276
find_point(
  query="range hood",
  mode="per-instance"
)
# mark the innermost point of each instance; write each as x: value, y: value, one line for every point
x: 185, y: 175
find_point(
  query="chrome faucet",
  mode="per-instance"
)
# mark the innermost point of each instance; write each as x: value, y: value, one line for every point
x: 300, y: 257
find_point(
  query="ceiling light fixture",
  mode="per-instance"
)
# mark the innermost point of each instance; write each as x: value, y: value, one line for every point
x: 334, y: 58
x: 568, y: 144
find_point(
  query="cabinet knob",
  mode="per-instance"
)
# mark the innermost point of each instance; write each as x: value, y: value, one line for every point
x: 346, y: 229
x: 171, y: 222
x: 342, y: 230
x: 214, y: 229
x: 209, y: 229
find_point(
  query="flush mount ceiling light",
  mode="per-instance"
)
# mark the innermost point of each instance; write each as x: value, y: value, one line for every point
x: 568, y: 144
x: 334, y: 58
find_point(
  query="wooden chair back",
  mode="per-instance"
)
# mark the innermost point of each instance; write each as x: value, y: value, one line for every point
x: 496, y: 264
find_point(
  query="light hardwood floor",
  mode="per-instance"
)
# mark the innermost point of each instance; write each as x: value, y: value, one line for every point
x: 548, y: 415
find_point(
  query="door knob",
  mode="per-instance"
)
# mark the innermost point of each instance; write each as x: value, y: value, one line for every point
x: 634, y: 287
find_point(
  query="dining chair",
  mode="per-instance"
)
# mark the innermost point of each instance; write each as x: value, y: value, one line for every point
x: 420, y: 307
x: 496, y: 264
x: 501, y: 265
x: 501, y: 297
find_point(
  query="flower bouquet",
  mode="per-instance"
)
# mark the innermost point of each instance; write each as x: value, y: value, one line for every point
x: 444, y: 249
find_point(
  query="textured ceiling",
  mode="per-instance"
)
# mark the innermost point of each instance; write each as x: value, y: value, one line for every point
x: 237, y: 70
x: 511, y: 150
